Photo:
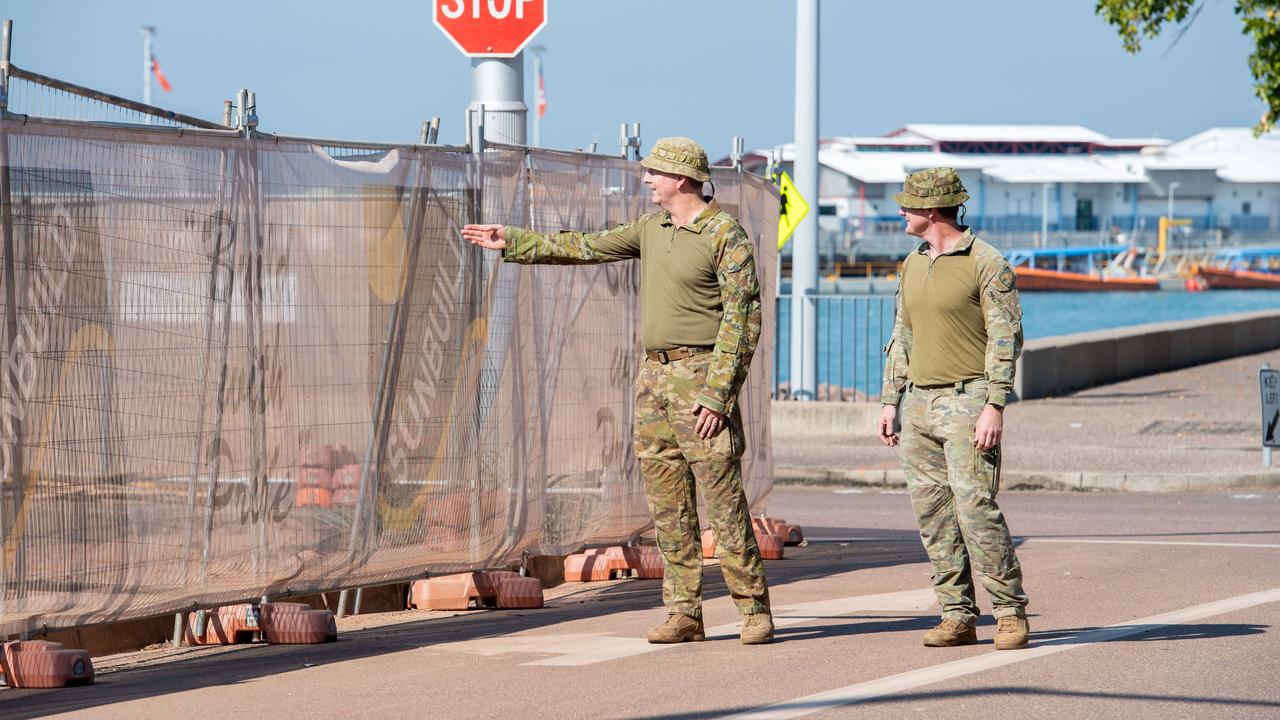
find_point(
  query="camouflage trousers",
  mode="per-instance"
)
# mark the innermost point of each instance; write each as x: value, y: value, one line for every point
x: 675, y: 462
x: 953, y: 489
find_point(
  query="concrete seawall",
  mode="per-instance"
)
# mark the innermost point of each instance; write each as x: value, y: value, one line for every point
x: 1067, y: 363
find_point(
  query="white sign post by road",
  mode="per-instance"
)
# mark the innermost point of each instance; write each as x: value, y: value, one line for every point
x: 1269, y: 385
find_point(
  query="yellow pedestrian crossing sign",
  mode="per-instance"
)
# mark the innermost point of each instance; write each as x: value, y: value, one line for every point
x: 791, y: 210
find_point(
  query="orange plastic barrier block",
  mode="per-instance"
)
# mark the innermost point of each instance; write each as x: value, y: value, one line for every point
x: 708, y: 543
x: 317, y: 496
x: 587, y: 568
x: 345, y: 496
x: 297, y: 624
x: 227, y: 625
x: 791, y: 534
x: 648, y: 562
x: 770, y: 546
x: 44, y: 664
x: 319, y: 456
x: 347, y: 476
x: 448, y: 592
x: 314, y: 477
x: 518, y: 592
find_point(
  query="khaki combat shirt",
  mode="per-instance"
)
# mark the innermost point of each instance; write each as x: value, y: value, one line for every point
x: 959, y: 319
x: 698, y: 285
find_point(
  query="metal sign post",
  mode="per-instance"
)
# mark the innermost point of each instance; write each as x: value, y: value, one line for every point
x: 1269, y: 385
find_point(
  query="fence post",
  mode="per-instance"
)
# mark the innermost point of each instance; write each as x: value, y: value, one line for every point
x: 6, y: 47
x: 10, y: 378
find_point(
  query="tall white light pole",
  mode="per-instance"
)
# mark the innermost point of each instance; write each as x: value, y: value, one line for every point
x: 804, y: 247
x: 148, y: 32
x: 1172, y: 186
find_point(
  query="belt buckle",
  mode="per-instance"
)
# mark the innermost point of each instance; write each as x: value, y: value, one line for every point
x: 663, y: 357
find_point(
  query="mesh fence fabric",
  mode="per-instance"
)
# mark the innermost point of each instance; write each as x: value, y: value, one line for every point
x: 240, y: 367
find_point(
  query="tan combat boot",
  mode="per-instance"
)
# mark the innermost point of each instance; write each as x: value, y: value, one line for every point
x: 950, y: 633
x: 1011, y: 632
x: 678, y: 628
x: 757, y: 629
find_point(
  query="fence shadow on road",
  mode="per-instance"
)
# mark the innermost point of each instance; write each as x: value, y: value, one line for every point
x: 207, y: 667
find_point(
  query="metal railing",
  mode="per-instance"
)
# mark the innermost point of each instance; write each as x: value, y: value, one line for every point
x: 852, y: 333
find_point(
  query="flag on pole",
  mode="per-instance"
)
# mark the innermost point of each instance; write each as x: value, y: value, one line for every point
x: 542, y: 94
x: 160, y: 78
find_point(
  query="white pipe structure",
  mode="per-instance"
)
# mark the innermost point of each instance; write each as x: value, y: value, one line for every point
x: 497, y: 86
x: 1172, y: 186
x: 804, y: 243
x: 1044, y: 215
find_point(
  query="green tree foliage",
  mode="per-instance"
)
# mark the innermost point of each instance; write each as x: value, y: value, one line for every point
x: 1137, y: 20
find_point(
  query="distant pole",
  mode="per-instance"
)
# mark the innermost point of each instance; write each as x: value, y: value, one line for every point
x: 148, y: 31
x: 804, y: 247
x: 1172, y: 186
x: 1266, y: 449
x: 1044, y: 215
x: 537, y: 51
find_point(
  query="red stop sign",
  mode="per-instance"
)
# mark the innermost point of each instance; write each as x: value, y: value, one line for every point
x: 490, y: 28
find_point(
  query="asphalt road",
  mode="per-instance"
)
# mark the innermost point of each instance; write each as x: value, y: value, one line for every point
x: 1143, y: 606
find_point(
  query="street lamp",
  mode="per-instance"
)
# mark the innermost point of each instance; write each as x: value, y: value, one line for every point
x: 1172, y: 186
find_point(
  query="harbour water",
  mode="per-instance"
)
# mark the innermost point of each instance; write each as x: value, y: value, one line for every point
x: 852, y: 330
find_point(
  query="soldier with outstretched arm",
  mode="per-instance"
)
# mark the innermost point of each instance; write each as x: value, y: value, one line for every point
x: 950, y: 363
x: 700, y: 303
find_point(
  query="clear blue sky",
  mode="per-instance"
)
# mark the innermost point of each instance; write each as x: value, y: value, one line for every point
x: 709, y: 69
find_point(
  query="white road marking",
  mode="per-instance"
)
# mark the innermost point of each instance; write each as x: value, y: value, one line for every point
x: 850, y: 694
x: 857, y: 491
x: 1246, y: 496
x: 1152, y: 542
x: 893, y: 492
x: 589, y: 648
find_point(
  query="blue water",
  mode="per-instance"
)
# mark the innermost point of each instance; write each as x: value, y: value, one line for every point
x: 853, y: 330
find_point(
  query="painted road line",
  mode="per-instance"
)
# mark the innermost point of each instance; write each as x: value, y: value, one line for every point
x: 1151, y: 542
x: 892, y: 684
x: 577, y: 649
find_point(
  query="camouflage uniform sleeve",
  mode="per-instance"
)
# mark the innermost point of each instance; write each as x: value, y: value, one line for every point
x: 573, y: 248
x: 1003, y: 315
x: 739, y: 322
x: 897, y: 351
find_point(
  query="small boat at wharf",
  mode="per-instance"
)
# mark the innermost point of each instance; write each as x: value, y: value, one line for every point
x: 1239, y: 269
x: 1105, y: 268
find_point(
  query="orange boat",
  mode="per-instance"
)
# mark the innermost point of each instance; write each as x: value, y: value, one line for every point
x: 1219, y: 278
x: 1038, y: 279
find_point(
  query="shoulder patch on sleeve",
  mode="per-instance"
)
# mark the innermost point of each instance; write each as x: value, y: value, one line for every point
x: 1007, y: 279
x: 739, y: 257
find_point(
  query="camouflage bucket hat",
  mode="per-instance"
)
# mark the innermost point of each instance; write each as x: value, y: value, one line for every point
x: 932, y: 188
x: 681, y: 156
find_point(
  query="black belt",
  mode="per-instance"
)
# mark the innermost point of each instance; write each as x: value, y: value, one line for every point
x: 679, y: 353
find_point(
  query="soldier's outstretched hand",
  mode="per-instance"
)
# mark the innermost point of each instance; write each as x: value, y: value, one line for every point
x: 489, y: 237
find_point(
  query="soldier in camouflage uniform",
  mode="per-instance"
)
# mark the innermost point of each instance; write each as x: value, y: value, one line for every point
x: 950, y: 361
x: 700, y: 302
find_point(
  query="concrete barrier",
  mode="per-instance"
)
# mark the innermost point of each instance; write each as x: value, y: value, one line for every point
x: 1067, y: 363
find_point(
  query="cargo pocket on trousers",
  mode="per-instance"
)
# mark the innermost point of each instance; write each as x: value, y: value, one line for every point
x: 986, y: 469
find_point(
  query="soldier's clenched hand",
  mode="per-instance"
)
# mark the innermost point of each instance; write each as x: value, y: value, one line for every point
x: 710, y: 422
x: 489, y: 237
x: 884, y: 425
x: 986, y: 434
